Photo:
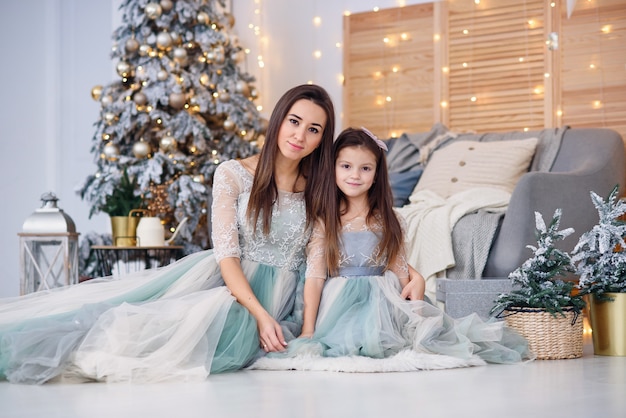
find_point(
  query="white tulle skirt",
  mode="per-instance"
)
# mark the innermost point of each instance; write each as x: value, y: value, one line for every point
x: 176, y: 322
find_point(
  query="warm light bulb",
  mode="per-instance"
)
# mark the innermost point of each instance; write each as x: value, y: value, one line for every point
x: 338, y: 45
x: 465, y: 31
x: 443, y: 104
x: 473, y: 98
x: 317, y: 54
x: 317, y: 20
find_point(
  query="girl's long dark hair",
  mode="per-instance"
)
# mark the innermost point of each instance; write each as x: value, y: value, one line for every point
x: 314, y: 167
x: 380, y: 201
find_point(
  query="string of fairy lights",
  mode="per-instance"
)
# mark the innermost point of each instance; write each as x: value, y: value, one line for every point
x: 385, y: 101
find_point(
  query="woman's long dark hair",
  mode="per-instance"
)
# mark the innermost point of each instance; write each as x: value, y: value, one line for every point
x: 314, y: 167
x: 380, y: 202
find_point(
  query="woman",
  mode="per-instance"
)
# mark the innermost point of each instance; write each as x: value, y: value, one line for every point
x: 211, y: 311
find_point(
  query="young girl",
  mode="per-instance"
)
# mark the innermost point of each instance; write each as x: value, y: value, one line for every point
x: 356, y: 268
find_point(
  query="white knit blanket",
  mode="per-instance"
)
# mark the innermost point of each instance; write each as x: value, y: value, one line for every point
x: 430, y: 220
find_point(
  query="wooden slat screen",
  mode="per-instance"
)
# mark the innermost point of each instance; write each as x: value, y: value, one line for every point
x: 496, y: 65
x: 503, y: 60
x: 593, y: 77
x: 369, y: 63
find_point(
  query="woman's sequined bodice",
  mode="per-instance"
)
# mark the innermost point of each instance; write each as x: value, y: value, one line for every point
x: 233, y: 235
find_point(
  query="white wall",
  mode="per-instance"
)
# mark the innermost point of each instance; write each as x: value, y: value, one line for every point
x: 55, y: 51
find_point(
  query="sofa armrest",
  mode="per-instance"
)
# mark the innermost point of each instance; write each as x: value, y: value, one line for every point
x: 589, y: 160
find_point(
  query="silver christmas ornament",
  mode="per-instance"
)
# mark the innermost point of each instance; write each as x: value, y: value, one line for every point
x: 111, y: 151
x: 162, y: 75
x: 132, y: 45
x: 141, y: 149
x: 140, y: 98
x: 168, y: 143
x: 166, y: 5
x: 153, y: 10
x: 164, y: 40
x: 177, y: 100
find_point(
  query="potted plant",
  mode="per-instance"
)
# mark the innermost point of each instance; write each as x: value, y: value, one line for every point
x: 600, y: 260
x: 118, y: 205
x: 542, y: 306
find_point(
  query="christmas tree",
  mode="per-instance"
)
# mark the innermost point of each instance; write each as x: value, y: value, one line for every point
x: 536, y: 283
x: 181, y: 106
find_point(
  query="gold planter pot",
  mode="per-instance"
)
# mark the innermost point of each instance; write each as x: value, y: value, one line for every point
x: 124, y: 230
x: 608, y: 325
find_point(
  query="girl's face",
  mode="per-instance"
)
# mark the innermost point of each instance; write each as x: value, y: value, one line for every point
x: 355, y: 171
x: 301, y: 130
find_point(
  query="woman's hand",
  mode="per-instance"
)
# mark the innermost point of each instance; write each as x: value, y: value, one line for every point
x: 271, y: 335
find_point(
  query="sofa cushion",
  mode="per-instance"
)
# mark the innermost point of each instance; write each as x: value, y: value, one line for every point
x: 463, y: 165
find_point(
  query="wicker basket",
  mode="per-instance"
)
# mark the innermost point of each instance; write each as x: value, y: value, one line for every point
x: 549, y: 337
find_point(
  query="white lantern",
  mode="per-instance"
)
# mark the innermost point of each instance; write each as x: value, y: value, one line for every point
x: 48, y: 248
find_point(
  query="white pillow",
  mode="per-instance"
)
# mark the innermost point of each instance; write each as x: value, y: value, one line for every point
x: 464, y: 165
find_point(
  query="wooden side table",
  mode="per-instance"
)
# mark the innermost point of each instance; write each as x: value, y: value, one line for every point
x: 116, y: 260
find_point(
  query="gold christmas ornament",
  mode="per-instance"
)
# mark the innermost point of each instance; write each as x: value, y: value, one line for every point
x: 106, y: 100
x: 123, y: 69
x: 96, y: 92
x: 176, y: 39
x: 106, y: 136
x: 177, y: 100
x: 242, y: 88
x: 205, y: 80
x: 203, y: 18
x: 224, y: 96
x: 111, y: 151
x: 141, y: 149
x: 168, y: 143
x: 237, y: 56
x: 164, y: 41
x: 166, y: 5
x: 198, y: 178
x: 132, y: 45
x: 144, y: 50
x: 254, y: 93
x: 140, y: 98
x: 162, y: 75
x: 229, y: 125
x: 153, y: 10
x: 230, y: 18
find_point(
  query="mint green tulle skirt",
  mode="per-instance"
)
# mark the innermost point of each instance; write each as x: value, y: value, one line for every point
x: 365, y: 316
x: 178, y: 322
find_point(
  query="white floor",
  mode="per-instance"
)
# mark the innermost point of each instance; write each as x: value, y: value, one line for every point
x: 593, y: 386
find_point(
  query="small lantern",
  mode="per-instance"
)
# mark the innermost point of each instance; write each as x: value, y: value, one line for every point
x: 48, y: 248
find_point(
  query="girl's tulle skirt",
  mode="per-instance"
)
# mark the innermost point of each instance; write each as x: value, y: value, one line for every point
x: 176, y: 322
x: 365, y: 316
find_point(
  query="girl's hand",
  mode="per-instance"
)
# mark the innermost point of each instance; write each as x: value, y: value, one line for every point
x: 271, y: 335
x: 416, y: 287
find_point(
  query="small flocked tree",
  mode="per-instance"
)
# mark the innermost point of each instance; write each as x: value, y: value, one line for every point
x: 600, y: 254
x: 536, y: 283
x: 181, y: 106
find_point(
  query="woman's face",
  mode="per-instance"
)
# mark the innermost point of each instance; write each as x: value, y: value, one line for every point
x: 301, y: 130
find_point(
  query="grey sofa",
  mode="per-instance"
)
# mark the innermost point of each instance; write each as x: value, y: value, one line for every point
x: 585, y: 160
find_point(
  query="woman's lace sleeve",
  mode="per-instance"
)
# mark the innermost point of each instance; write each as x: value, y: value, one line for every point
x: 315, y: 257
x: 224, y: 225
x: 400, y: 265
